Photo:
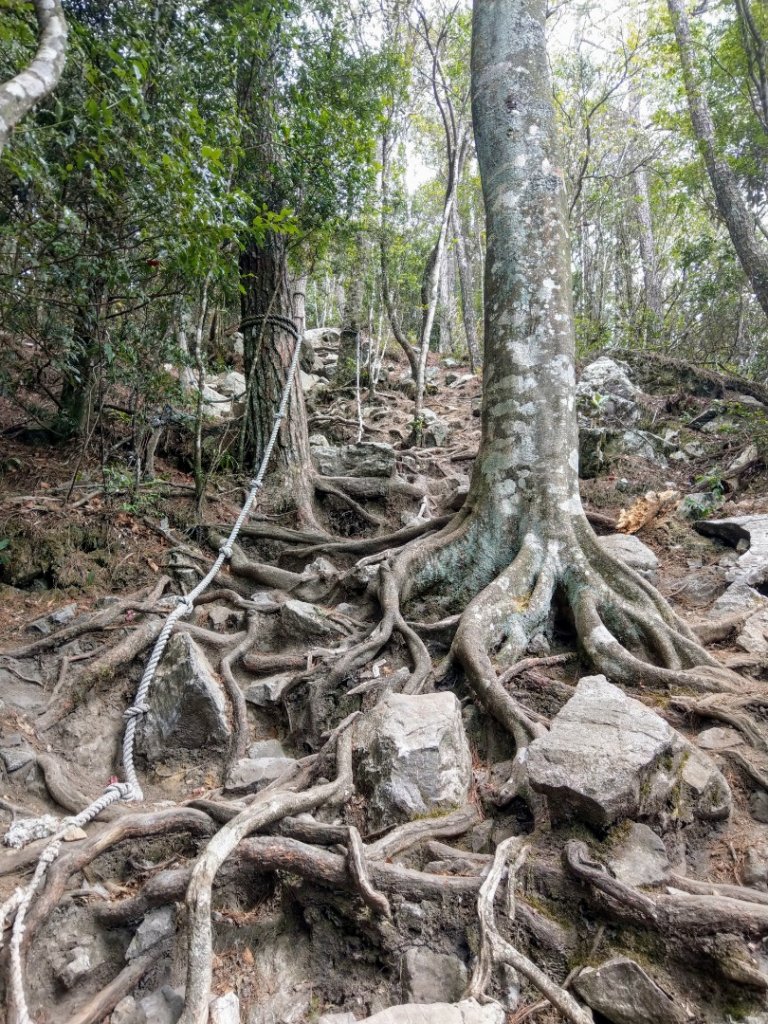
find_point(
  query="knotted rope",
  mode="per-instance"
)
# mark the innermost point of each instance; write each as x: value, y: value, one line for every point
x: 130, y: 790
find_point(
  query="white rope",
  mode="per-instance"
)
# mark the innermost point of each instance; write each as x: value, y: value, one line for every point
x: 130, y: 790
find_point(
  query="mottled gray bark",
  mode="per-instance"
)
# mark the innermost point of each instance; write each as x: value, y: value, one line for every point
x: 522, y: 536
x: 19, y: 95
x: 739, y: 219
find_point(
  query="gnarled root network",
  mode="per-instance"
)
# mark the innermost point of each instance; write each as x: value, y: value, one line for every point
x: 623, y: 625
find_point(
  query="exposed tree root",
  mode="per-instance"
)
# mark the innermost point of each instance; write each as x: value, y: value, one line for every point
x: 103, y: 1003
x: 732, y: 709
x: 717, y: 924
x: 497, y: 950
x: 262, y: 813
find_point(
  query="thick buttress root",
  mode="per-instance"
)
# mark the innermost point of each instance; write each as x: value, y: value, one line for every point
x: 623, y: 625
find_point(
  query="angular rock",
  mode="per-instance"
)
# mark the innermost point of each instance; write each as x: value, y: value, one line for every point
x: 306, y: 620
x: 432, y: 977
x: 623, y: 993
x: 719, y: 738
x: 163, y: 1007
x: 15, y: 752
x: 631, y: 550
x: 225, y: 1009
x: 232, y: 384
x: 412, y: 757
x: 266, y: 692
x: 605, y: 394
x: 266, y: 748
x: 758, y: 806
x: 81, y: 964
x: 128, y: 1011
x: 704, y: 793
x: 337, y: 1018
x: 608, y: 757
x: 157, y: 925
x: 48, y: 623
x: 466, y: 1012
x: 436, y: 434
x: 187, y: 704
x: 748, y: 534
x: 249, y: 775
x: 369, y: 458
x: 639, y: 857
x: 319, y: 441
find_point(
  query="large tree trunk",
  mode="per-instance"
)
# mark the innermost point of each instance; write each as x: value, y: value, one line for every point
x: 739, y: 219
x: 19, y: 95
x: 522, y: 540
x: 267, y: 353
x: 648, y: 256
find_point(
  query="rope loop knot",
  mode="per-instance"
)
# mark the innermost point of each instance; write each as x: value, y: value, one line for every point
x: 136, y: 710
x: 225, y: 549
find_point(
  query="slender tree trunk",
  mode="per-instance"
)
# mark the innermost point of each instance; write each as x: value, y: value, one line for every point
x: 267, y: 355
x: 386, y: 290
x: 739, y: 219
x: 447, y: 304
x: 352, y: 318
x: 19, y: 95
x: 467, y: 287
x: 648, y: 258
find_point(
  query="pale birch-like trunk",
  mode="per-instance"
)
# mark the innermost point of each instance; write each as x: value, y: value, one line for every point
x: 19, y: 95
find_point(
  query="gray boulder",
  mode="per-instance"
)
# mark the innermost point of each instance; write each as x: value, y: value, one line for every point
x: 623, y: 993
x: 606, y: 395
x: 306, y: 620
x: 608, y: 757
x: 369, y: 458
x: 719, y: 738
x: 249, y: 775
x: 432, y: 977
x: 187, y: 704
x: 157, y: 925
x: 264, y: 693
x: 630, y: 549
x: 639, y: 857
x: 466, y: 1012
x: 412, y: 757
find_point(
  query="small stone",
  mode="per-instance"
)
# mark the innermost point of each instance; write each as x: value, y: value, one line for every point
x: 319, y: 441
x: 266, y: 692
x: 623, y: 993
x: 695, y: 449
x: 225, y: 1009
x: 432, y: 977
x: 74, y: 833
x: 758, y: 806
x: 79, y: 967
x: 369, y: 458
x: 222, y: 617
x: 15, y: 754
x: 128, y: 1011
x: 48, y: 623
x: 263, y: 602
x: 719, y: 738
x: 466, y: 1012
x: 157, y: 925
x: 337, y: 1018
x: 640, y: 858
x: 307, y: 620
x: 755, y: 871
x: 250, y: 775
x: 630, y: 549
x: 266, y: 748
